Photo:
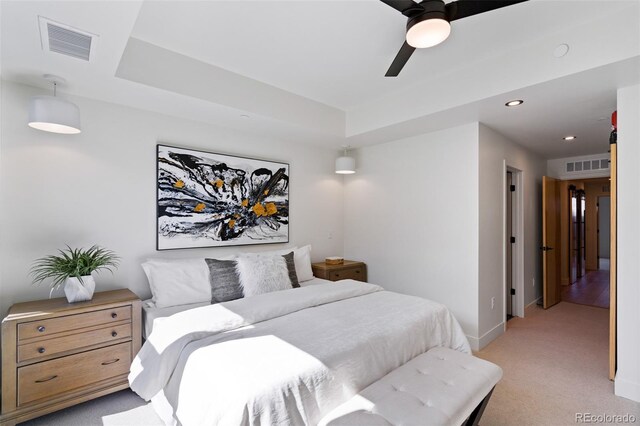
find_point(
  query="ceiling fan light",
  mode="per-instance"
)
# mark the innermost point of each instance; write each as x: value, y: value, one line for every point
x: 428, y: 33
x: 55, y: 115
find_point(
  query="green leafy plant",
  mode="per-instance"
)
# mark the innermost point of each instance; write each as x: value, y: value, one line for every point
x: 73, y: 263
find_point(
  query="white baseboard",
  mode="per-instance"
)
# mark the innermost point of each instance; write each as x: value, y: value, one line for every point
x: 627, y: 389
x: 478, y: 343
x: 535, y: 302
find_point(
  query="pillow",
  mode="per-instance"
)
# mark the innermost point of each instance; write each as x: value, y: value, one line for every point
x: 178, y: 282
x: 262, y: 274
x: 225, y: 283
x: 302, y: 258
x: 291, y: 269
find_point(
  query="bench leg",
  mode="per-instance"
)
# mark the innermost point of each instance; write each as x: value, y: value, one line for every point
x: 474, y: 418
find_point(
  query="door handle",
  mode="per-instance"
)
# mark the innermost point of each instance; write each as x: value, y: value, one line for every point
x: 47, y: 379
x: 546, y: 248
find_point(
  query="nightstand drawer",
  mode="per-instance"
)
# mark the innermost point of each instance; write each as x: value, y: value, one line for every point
x: 51, y: 326
x: 48, y: 347
x: 346, y: 274
x: 50, y: 378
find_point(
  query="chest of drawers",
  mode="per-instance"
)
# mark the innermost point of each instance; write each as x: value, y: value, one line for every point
x: 56, y: 354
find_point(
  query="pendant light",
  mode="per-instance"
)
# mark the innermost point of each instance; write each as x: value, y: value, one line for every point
x: 52, y: 114
x: 345, y: 165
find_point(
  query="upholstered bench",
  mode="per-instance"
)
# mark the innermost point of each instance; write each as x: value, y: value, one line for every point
x: 439, y: 387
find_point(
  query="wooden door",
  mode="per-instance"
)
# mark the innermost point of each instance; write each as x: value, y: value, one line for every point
x: 550, y: 242
x: 613, y: 262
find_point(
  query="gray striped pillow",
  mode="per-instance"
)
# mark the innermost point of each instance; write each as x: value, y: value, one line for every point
x: 224, y: 280
x: 291, y: 267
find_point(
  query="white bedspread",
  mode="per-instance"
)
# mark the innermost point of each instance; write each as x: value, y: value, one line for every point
x: 287, y: 357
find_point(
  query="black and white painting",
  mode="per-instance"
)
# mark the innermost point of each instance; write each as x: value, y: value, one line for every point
x: 211, y: 200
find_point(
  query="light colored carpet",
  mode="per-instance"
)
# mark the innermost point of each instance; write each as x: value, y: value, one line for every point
x: 123, y: 408
x: 555, y: 365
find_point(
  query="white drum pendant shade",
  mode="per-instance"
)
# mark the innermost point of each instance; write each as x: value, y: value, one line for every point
x: 345, y: 165
x: 54, y: 115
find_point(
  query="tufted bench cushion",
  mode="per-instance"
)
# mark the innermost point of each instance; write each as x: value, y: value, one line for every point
x: 439, y: 387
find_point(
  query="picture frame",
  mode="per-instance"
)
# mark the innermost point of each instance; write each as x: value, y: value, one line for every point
x: 209, y: 199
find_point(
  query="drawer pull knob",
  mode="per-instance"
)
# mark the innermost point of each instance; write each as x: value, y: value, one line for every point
x: 41, y: 329
x: 47, y: 379
x: 113, y: 361
x: 114, y: 334
x: 337, y: 275
x: 114, y: 315
x: 41, y: 350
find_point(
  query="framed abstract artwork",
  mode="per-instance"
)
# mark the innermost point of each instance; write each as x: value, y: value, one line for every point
x: 206, y: 199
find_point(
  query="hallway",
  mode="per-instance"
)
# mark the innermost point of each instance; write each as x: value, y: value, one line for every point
x: 592, y: 289
x: 555, y: 365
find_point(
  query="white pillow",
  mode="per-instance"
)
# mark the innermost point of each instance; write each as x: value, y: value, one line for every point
x: 302, y: 259
x: 262, y: 273
x: 178, y: 282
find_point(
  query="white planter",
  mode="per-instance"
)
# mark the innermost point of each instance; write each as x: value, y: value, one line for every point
x: 77, y: 291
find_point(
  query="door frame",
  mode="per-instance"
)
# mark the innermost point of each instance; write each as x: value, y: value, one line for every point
x: 517, y: 265
x: 613, y: 262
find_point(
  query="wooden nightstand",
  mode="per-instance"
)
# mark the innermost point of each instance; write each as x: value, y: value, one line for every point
x: 348, y: 270
x: 57, y: 354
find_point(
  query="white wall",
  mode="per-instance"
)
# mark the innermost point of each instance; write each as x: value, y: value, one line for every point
x: 556, y: 168
x: 99, y: 188
x: 411, y: 215
x: 426, y: 213
x: 627, y: 382
x: 496, y: 152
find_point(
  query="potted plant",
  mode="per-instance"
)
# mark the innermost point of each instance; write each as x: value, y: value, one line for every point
x: 73, y: 268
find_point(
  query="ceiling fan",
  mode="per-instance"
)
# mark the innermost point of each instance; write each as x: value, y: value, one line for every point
x: 428, y: 23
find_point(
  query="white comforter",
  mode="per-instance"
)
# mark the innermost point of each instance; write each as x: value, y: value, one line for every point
x: 287, y: 357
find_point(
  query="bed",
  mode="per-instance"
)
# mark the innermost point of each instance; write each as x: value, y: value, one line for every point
x: 150, y: 312
x: 286, y: 357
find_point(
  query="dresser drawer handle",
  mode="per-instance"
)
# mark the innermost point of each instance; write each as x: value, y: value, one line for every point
x: 114, y: 334
x: 357, y: 271
x: 47, y: 379
x: 337, y: 275
x: 113, y: 361
x: 41, y: 350
x: 41, y: 329
x: 114, y: 315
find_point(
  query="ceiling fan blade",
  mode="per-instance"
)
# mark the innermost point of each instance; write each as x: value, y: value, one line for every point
x: 464, y: 8
x: 401, y: 59
x: 406, y: 7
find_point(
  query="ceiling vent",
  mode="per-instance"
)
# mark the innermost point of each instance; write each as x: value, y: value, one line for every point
x: 587, y: 165
x: 66, y: 40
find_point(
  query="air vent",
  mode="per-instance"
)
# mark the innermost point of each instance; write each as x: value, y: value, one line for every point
x: 586, y: 165
x: 66, y: 40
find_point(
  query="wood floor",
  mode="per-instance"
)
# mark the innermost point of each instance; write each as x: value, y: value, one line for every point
x: 592, y: 289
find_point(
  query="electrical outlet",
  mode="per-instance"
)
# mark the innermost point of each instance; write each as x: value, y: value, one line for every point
x: 493, y: 303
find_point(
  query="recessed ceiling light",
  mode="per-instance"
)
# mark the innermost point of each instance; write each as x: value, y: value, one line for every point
x: 570, y: 138
x: 514, y: 102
